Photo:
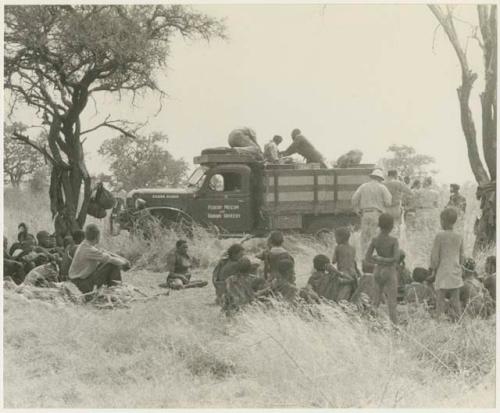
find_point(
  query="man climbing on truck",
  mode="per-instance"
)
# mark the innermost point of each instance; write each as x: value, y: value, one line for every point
x: 303, y: 147
x: 271, y: 153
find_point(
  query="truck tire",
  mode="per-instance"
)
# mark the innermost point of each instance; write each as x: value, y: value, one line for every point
x: 177, y: 221
x: 322, y: 227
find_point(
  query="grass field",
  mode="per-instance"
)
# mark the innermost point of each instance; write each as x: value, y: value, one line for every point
x: 180, y: 351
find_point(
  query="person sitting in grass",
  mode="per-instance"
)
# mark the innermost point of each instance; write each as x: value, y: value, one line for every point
x: 241, y: 288
x: 420, y: 289
x: 46, y: 241
x: 70, y: 244
x: 25, y: 240
x: 179, y: 265
x: 474, y: 297
x: 446, y: 261
x: 283, y: 286
x: 228, y: 265
x: 274, y: 253
x: 45, y: 274
x: 12, y: 268
x: 92, y: 266
x: 386, y: 260
x: 326, y: 281
x: 490, y: 278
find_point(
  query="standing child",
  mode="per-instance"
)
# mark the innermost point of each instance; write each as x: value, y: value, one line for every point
x: 345, y: 258
x: 386, y: 260
x: 446, y: 264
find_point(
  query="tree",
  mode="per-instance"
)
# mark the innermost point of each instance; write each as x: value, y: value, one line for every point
x: 19, y: 161
x: 59, y: 57
x: 486, y: 178
x: 40, y: 179
x: 407, y: 161
x: 142, y: 162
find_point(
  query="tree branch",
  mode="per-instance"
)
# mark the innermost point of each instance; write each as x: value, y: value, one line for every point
x: 26, y: 140
x: 464, y: 91
x: 111, y: 124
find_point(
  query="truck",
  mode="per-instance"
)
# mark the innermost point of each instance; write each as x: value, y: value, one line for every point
x: 236, y: 195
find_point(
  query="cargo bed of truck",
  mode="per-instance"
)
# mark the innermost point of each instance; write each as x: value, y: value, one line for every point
x: 291, y: 193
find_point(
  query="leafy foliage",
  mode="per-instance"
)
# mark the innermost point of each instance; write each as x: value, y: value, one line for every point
x: 57, y: 57
x: 407, y: 161
x: 143, y: 162
x: 20, y: 161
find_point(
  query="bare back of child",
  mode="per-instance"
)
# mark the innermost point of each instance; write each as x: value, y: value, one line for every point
x: 386, y: 259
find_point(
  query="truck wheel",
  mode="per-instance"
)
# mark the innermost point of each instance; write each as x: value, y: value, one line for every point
x: 323, y: 227
x: 175, y: 221
x: 147, y: 220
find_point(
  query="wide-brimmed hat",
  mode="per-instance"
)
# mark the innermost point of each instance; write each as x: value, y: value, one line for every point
x: 377, y: 173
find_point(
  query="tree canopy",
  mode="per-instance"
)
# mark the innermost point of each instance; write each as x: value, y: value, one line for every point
x: 143, y: 162
x: 58, y: 57
x: 407, y: 161
x: 19, y: 161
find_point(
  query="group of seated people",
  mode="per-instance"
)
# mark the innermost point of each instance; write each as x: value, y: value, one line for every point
x: 40, y: 262
x: 237, y: 284
x: 39, y: 255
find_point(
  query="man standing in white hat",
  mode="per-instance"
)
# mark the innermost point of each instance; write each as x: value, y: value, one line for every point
x: 370, y: 200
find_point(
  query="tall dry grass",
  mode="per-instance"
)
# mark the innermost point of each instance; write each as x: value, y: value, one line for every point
x: 180, y: 351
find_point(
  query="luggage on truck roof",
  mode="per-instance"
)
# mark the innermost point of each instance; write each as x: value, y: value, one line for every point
x: 227, y: 155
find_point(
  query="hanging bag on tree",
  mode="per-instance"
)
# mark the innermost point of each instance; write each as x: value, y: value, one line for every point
x: 96, y: 210
x: 103, y: 197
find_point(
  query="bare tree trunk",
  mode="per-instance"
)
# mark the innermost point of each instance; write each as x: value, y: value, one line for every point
x: 485, y: 226
x: 488, y: 25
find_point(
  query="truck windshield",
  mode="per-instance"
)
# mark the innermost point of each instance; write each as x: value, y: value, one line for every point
x: 197, y: 177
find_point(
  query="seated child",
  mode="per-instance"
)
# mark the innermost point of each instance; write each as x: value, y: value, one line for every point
x: 241, y: 288
x: 326, y: 281
x: 283, y: 286
x: 473, y: 295
x: 274, y: 253
x: 420, y: 290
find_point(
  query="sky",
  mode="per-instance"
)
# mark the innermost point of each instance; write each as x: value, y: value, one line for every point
x: 349, y: 76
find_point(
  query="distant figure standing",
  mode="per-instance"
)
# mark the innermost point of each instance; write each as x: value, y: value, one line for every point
x: 370, y: 200
x: 446, y: 261
x: 397, y: 189
x: 344, y: 257
x: 458, y: 202
x: 410, y: 205
x: 427, y: 202
x: 303, y: 147
x: 271, y: 153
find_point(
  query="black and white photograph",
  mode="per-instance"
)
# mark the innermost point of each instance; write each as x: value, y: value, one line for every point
x: 249, y: 205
